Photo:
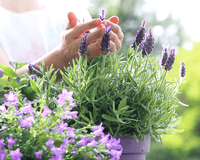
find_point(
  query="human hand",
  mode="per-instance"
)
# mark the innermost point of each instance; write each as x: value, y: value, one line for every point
x: 116, y: 35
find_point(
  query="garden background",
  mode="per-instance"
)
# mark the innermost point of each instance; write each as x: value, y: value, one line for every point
x: 167, y: 29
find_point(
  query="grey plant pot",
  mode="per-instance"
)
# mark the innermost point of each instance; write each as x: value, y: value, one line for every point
x: 133, y: 150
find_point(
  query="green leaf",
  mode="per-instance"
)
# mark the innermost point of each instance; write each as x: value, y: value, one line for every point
x: 176, y: 122
x: 34, y: 87
x: 94, y: 112
x: 85, y: 118
x: 109, y: 118
x: 65, y: 78
x: 122, y: 103
x: 8, y: 71
x: 122, y: 110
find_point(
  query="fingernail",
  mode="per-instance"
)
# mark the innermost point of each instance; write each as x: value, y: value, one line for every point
x: 97, y: 21
x: 114, y: 20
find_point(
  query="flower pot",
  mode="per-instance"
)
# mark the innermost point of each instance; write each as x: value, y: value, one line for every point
x: 133, y: 150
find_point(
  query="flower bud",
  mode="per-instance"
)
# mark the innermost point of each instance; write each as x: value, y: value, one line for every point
x: 83, y: 44
x: 140, y: 35
x: 1, y: 72
x: 170, y: 61
x: 143, y: 48
x: 150, y: 42
x: 102, y: 16
x: 182, y: 69
x: 165, y: 55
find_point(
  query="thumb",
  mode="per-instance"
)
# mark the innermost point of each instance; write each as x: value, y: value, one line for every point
x: 72, y: 21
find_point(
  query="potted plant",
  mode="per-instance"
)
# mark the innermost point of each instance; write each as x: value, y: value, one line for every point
x: 40, y: 126
x: 130, y: 97
x: 127, y: 97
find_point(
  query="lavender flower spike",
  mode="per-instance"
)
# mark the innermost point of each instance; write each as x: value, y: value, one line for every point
x: 105, y: 43
x: 140, y: 35
x: 170, y: 61
x: 183, y: 69
x: 165, y: 55
x: 143, y: 48
x: 102, y: 16
x: 1, y: 72
x: 150, y: 42
x: 83, y: 44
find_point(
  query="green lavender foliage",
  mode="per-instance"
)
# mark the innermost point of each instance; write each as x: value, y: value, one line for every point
x: 130, y: 97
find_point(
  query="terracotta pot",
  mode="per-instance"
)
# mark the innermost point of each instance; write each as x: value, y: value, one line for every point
x: 133, y: 150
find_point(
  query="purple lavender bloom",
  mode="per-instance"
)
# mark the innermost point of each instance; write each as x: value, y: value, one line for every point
x: 84, y: 141
x: 25, y: 100
x: 50, y: 143
x: 2, y: 154
x: 102, y: 16
x: 62, y: 97
x: 94, y: 128
x: 170, y: 61
x: 31, y: 68
x: 27, y: 109
x: 10, y: 87
x: 92, y: 143
x: 1, y: 72
x: 11, y: 142
x: 70, y: 133
x: 38, y: 154
x: 114, y: 144
x: 26, y: 122
x: 105, y: 43
x: 58, y: 151
x: 165, y: 55
x: 105, y: 139
x: 183, y: 69
x: 70, y: 115
x: 150, y: 42
x: 140, y: 35
x: 66, y: 142
x: 11, y: 97
x: 16, y: 155
x: 143, y: 48
x: 99, y: 132
x: 62, y: 126
x: 115, y: 154
x: 46, y: 111
x: 1, y: 143
x: 83, y: 44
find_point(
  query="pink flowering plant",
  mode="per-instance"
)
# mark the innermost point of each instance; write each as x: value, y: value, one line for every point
x: 43, y: 128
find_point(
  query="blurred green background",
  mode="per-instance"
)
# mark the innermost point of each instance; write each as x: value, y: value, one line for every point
x: 186, y: 145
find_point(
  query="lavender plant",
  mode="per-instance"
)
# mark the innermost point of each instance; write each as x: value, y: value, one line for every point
x: 132, y: 98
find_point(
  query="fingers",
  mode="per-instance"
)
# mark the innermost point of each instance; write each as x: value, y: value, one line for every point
x: 96, y: 49
x: 98, y: 34
x: 117, y: 30
x: 114, y: 19
x: 83, y: 27
x: 72, y: 21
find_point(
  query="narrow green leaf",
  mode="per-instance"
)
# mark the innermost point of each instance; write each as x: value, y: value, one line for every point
x: 109, y: 118
x: 122, y: 110
x: 85, y: 118
x: 122, y: 103
x: 65, y: 78
x: 34, y: 87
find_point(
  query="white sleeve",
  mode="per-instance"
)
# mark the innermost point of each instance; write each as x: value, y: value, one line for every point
x: 63, y: 7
